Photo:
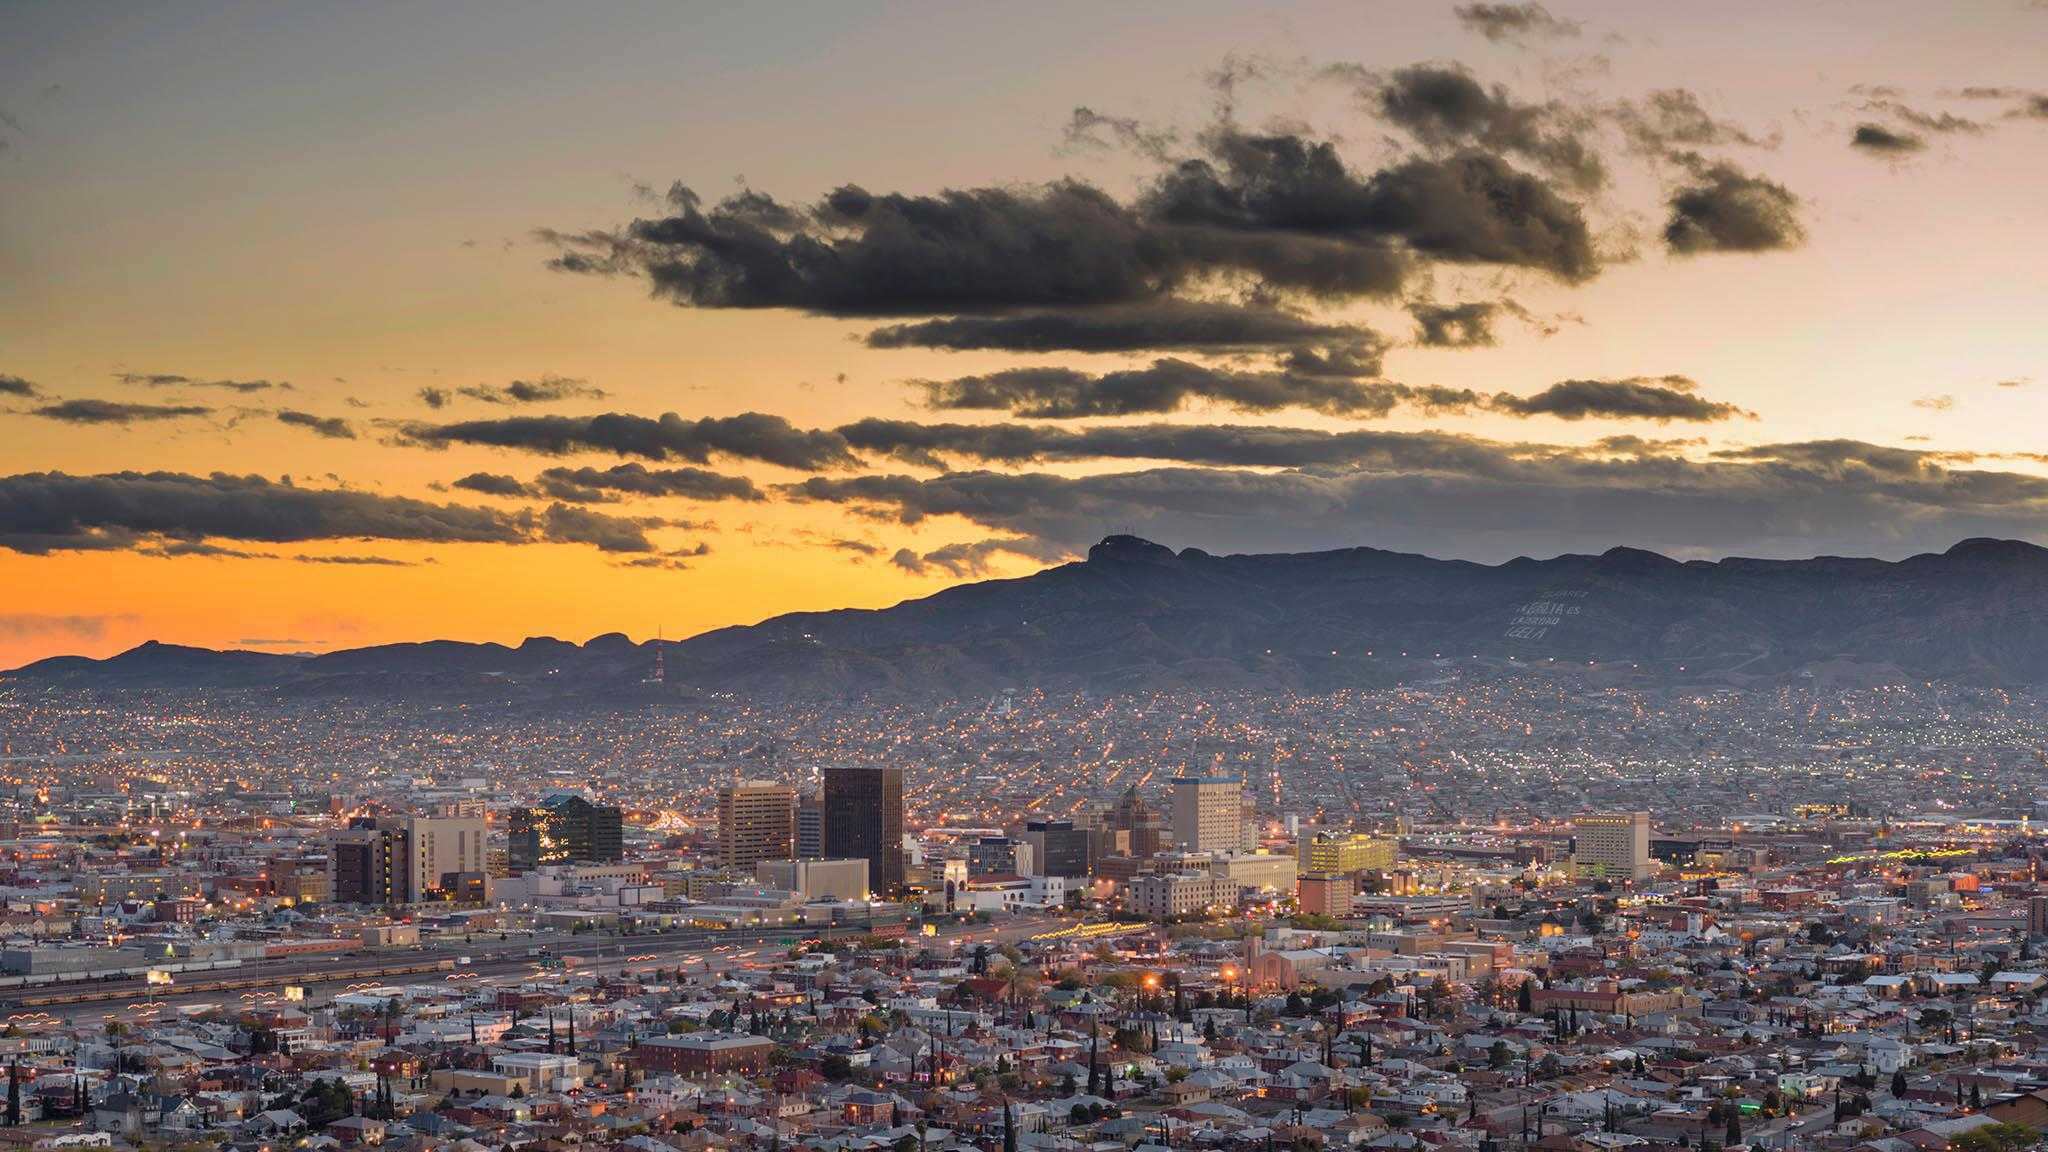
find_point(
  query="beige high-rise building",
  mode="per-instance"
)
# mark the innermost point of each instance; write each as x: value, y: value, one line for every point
x: 409, y: 859
x: 1613, y: 846
x: 1208, y: 813
x: 440, y: 849
x: 756, y: 821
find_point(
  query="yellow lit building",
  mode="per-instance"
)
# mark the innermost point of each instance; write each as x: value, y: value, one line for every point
x: 1339, y: 853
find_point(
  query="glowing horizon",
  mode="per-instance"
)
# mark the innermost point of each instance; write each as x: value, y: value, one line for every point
x: 1730, y: 282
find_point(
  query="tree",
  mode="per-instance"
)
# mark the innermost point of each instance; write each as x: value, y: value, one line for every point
x: 1733, y: 1133
x: 1899, y: 1082
x: 1525, y: 998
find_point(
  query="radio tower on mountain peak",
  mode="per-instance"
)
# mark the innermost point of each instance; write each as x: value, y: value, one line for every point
x: 660, y: 667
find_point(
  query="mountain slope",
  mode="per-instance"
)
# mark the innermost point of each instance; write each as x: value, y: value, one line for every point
x: 1136, y: 616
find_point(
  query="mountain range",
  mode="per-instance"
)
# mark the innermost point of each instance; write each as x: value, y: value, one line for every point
x: 1137, y: 617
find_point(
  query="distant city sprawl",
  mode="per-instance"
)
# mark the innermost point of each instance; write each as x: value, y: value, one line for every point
x: 1482, y: 911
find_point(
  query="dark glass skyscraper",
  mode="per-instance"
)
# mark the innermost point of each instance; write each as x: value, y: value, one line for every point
x: 1061, y: 848
x: 864, y: 819
x: 564, y: 829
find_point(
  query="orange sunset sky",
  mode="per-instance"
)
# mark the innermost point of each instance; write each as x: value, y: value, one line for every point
x: 331, y: 325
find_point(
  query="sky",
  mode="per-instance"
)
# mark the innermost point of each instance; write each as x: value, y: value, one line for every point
x: 332, y: 325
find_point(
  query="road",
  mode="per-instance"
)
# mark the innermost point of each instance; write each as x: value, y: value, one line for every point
x: 492, y: 962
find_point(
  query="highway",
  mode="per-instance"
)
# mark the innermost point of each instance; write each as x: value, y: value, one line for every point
x: 492, y: 962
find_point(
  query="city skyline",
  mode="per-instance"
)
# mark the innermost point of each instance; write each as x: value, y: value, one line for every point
x: 329, y: 328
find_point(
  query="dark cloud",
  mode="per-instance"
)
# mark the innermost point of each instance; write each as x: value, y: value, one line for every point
x: 1167, y: 385
x: 1254, y: 446
x: 1499, y: 502
x: 591, y: 485
x: 748, y: 436
x: 1515, y: 23
x: 1225, y: 445
x: 332, y: 427
x: 1089, y: 129
x: 116, y: 412
x: 1673, y: 121
x: 55, y: 511
x: 492, y: 484
x: 675, y: 560
x: 971, y: 559
x: 1468, y: 325
x: 1165, y: 325
x: 15, y: 386
x: 356, y: 561
x: 36, y: 625
x: 861, y: 254
x: 174, y: 549
x: 1443, y: 106
x: 1944, y: 123
x: 1885, y: 141
x: 1723, y: 209
x: 1470, y: 207
x: 545, y: 390
x: 1279, y: 210
x: 172, y: 380
x: 434, y: 397
x: 563, y: 524
x: 1662, y: 399
x: 1170, y: 385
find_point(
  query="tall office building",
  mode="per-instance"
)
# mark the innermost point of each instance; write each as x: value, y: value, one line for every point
x: 1613, y: 846
x: 443, y: 854
x: 2037, y: 916
x: 1000, y: 856
x: 564, y: 829
x: 1143, y: 833
x: 1324, y: 894
x: 1341, y: 853
x: 1208, y: 813
x: 756, y: 821
x: 409, y: 859
x: 864, y: 818
x: 810, y: 826
x: 367, y: 864
x: 1059, y: 848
